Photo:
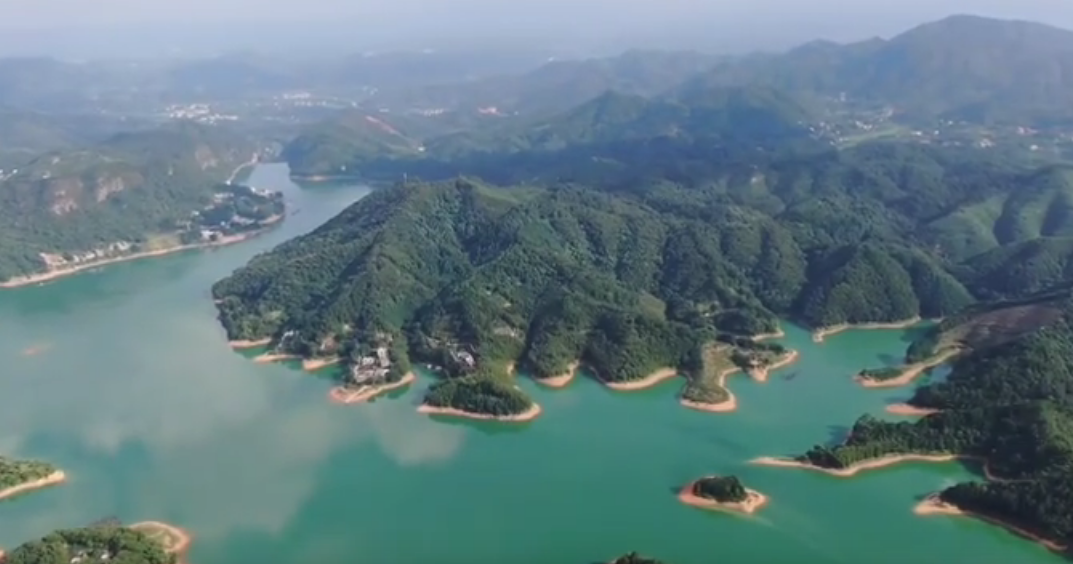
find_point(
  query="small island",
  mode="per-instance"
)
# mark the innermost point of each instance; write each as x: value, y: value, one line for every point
x: 142, y: 543
x: 479, y: 397
x: 898, y: 376
x: 723, y: 493
x: 22, y: 476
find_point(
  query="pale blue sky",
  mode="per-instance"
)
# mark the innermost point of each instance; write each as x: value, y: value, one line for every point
x: 362, y: 24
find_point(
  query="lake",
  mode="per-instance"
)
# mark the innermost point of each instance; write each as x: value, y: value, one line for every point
x: 123, y: 378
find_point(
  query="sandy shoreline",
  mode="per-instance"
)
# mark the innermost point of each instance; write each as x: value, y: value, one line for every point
x: 152, y: 528
x: 761, y: 373
x: 754, y: 500
x: 853, y: 469
x: 57, y: 477
x: 20, y: 281
x: 562, y: 380
x: 909, y: 373
x: 345, y: 396
x: 652, y: 379
x: 314, y: 364
x: 933, y: 505
x: 910, y: 410
x: 268, y: 358
x: 725, y: 406
x: 528, y: 415
x: 311, y: 178
x: 778, y: 334
x: 245, y: 344
x: 823, y: 332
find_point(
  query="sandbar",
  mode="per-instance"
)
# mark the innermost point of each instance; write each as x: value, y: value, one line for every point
x: 250, y: 344
x: 19, y: 281
x: 57, y: 477
x: 934, y: 505
x: 754, y: 500
x: 853, y: 469
x: 345, y: 395
x: 647, y: 382
x: 760, y: 373
x: 725, y: 406
x: 528, y: 415
x: 175, y: 541
x: 909, y: 373
x: 823, y: 332
x: 910, y: 410
x: 314, y: 364
x: 562, y: 380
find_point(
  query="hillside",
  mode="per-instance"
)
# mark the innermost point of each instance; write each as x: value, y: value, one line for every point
x: 961, y: 67
x: 547, y: 276
x: 611, y: 128
x: 130, y: 191
x: 1008, y: 400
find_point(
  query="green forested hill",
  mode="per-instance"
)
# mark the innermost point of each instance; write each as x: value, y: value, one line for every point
x: 610, y: 130
x: 961, y: 67
x: 127, y: 188
x: 1009, y: 400
x: 549, y: 275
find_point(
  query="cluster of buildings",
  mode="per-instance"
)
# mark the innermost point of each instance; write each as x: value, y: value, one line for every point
x: 371, y: 369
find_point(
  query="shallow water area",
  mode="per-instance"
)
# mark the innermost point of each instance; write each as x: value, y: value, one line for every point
x: 140, y: 400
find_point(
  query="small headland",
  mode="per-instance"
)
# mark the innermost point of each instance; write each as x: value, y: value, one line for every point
x: 725, y: 493
x: 173, y: 539
x: 821, y: 333
x: 854, y: 469
x: 935, y: 505
x: 352, y: 393
x: 897, y: 377
x: 54, y: 478
x: 560, y: 381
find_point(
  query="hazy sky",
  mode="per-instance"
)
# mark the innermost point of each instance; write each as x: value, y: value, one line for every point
x: 359, y: 24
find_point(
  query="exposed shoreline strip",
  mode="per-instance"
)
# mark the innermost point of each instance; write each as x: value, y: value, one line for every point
x: 934, y: 505
x: 562, y: 380
x: 761, y: 373
x: 653, y: 379
x: 57, y: 477
x: 725, y: 406
x: 250, y: 344
x: 528, y: 415
x: 754, y: 501
x: 822, y: 333
x: 182, y: 538
x: 910, y: 372
x: 27, y: 280
x: 345, y: 396
x: 910, y: 410
x: 861, y: 466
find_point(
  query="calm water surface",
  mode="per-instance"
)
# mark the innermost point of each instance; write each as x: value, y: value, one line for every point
x: 136, y: 395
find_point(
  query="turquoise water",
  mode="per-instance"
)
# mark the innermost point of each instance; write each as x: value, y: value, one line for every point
x: 138, y: 397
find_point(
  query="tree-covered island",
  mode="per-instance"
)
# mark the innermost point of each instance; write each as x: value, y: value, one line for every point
x: 1008, y: 401
x: 722, y: 492
x: 21, y: 476
x: 634, y: 558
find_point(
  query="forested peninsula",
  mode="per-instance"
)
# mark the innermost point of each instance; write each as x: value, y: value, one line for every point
x: 1008, y: 402
x: 137, y: 194
x: 22, y: 476
x: 105, y: 541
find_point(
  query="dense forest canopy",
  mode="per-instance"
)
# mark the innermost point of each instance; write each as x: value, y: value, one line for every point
x: 129, y: 187
x: 117, y: 545
x: 1009, y: 401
